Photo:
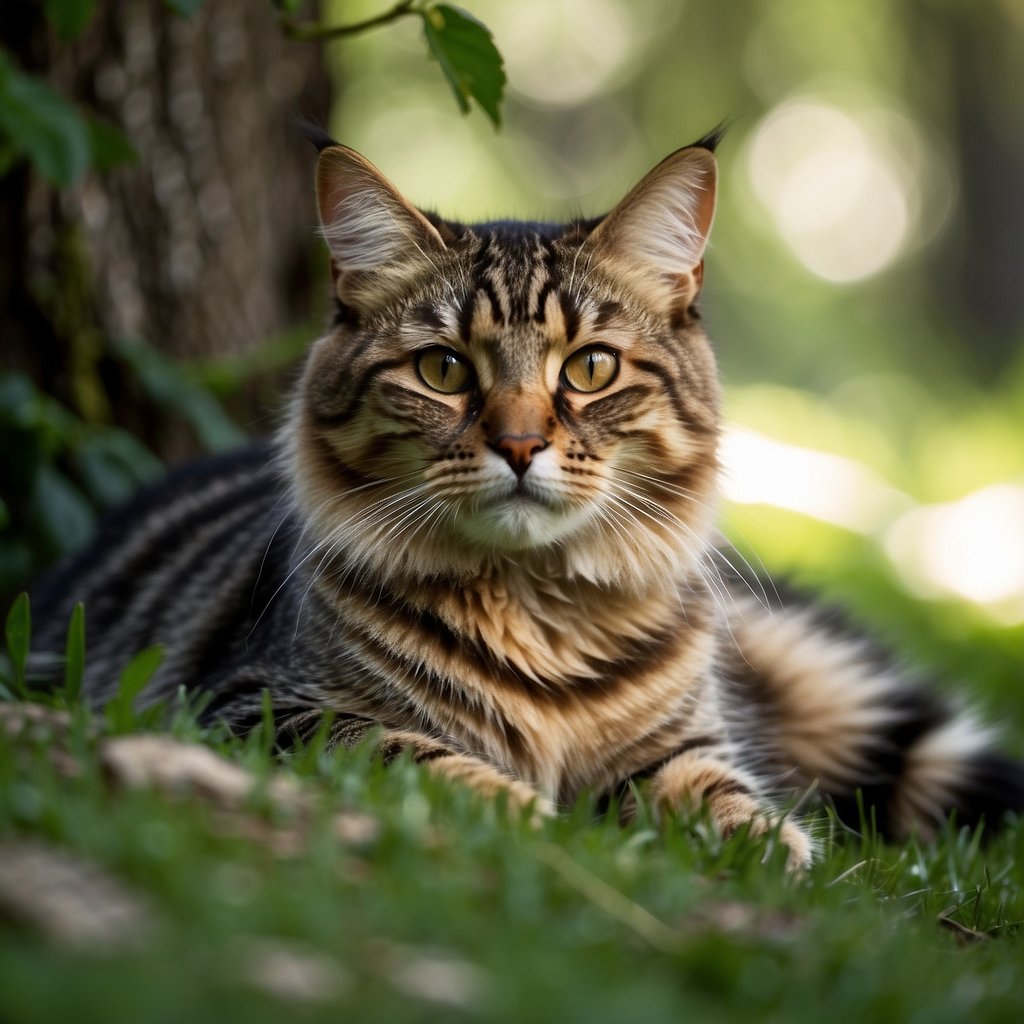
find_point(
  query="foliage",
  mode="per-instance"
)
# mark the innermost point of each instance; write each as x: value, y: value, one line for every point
x: 18, y: 634
x: 462, y: 46
x: 40, y: 125
x: 174, y: 387
x: 57, y: 473
x: 74, y: 655
x: 61, y: 143
x: 60, y: 472
x: 467, y: 55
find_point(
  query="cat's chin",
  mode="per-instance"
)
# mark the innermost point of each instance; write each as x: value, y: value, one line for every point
x: 517, y: 523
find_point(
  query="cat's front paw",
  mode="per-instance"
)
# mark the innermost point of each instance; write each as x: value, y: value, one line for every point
x: 689, y: 783
x: 792, y: 836
x: 522, y: 798
x: 799, y: 844
x: 758, y: 822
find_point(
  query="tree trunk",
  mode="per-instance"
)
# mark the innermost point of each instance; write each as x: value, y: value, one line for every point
x: 966, y: 73
x: 203, y: 248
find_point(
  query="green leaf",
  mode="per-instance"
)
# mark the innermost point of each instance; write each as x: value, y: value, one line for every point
x: 107, y: 480
x: 138, y: 672
x: 471, y: 63
x: 74, y: 655
x: 54, y: 425
x: 169, y: 385
x: 109, y: 146
x: 42, y: 126
x: 17, y: 393
x: 184, y: 8
x: 120, y: 709
x: 112, y: 465
x: 70, y: 17
x: 19, y: 638
x: 268, y: 729
x: 66, y: 518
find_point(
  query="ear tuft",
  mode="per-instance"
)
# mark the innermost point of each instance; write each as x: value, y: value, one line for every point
x: 711, y: 140
x: 657, y: 235
x: 315, y: 134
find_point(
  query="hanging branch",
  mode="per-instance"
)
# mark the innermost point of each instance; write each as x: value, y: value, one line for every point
x: 314, y: 31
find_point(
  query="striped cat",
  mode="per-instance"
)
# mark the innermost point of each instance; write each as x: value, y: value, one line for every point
x: 486, y: 530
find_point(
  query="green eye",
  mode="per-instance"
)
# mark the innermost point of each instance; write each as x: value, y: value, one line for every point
x: 590, y: 369
x: 444, y: 370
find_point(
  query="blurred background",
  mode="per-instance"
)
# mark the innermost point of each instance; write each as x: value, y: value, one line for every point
x: 864, y: 288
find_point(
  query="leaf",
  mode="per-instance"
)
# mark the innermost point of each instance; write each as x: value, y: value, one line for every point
x: 135, y: 675
x: 25, y: 407
x: 109, y: 146
x: 18, y: 631
x: 184, y: 8
x: 16, y: 395
x: 42, y: 126
x: 464, y: 47
x: 74, y: 655
x: 105, y: 478
x: 268, y: 729
x: 58, y: 507
x: 112, y: 465
x: 169, y: 385
x: 138, y: 672
x: 70, y: 17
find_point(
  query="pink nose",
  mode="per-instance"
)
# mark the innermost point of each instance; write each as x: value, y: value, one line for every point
x: 518, y: 450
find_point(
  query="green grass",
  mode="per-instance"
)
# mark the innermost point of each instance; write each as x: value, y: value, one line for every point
x: 448, y: 908
x: 445, y: 908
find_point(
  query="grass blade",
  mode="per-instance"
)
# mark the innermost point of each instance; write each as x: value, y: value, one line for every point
x: 120, y: 709
x: 74, y: 655
x: 19, y: 637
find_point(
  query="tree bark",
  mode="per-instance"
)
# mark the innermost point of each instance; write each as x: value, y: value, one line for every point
x: 203, y: 248
x: 966, y: 74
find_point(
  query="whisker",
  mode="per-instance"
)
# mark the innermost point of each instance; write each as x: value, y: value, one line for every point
x: 346, y: 531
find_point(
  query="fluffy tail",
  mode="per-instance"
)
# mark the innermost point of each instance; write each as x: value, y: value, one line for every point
x: 821, y: 707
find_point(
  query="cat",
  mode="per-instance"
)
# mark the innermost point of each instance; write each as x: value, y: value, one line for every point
x: 486, y: 530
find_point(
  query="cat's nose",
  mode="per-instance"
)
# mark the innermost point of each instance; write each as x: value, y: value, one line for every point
x: 518, y: 450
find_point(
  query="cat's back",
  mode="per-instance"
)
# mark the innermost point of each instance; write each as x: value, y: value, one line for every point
x: 190, y: 563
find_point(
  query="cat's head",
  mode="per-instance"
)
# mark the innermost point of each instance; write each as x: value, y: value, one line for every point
x: 512, y: 393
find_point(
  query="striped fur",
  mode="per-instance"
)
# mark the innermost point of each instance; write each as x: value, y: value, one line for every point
x: 486, y: 532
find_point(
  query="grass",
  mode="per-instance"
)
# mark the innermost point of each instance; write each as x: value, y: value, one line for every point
x: 437, y: 906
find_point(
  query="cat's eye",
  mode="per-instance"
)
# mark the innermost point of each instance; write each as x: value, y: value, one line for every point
x: 444, y: 370
x: 590, y: 369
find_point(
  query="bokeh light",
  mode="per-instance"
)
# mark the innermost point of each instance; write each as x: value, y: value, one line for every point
x: 972, y: 548
x: 832, y: 488
x: 834, y: 193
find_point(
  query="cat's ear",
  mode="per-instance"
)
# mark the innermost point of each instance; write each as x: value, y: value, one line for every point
x: 376, y: 237
x: 656, y: 236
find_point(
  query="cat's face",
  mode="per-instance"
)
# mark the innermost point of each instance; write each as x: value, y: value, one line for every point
x: 538, y: 394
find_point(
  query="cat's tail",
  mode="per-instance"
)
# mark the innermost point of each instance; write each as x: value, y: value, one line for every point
x: 823, y: 709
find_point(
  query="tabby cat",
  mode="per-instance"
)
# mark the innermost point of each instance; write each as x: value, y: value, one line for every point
x: 486, y: 531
